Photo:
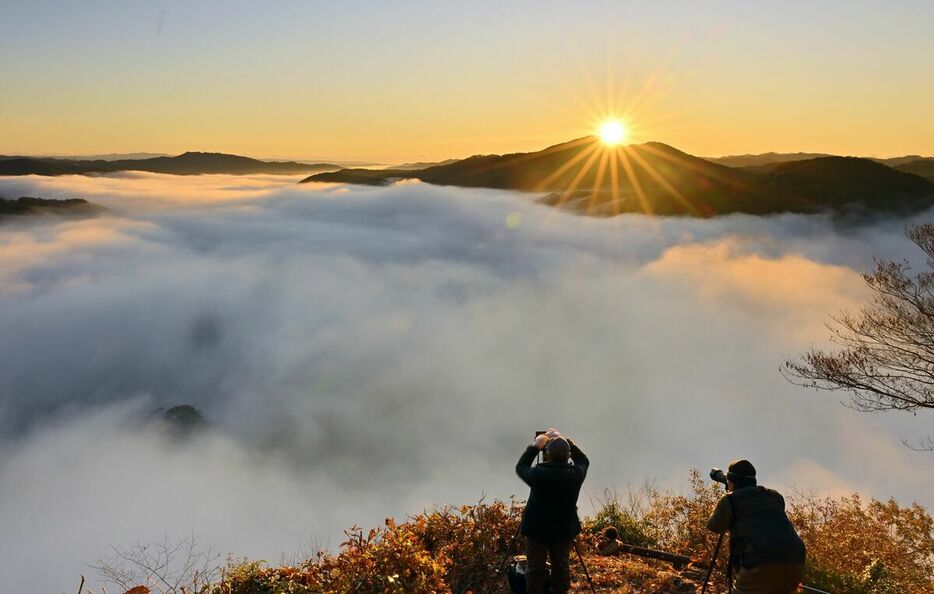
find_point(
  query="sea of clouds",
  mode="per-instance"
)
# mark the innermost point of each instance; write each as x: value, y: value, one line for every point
x: 369, y: 352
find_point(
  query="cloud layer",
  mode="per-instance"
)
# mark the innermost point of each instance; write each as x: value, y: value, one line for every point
x: 365, y: 352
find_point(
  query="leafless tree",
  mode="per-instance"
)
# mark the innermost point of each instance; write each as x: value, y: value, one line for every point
x: 886, y: 355
x: 167, y: 566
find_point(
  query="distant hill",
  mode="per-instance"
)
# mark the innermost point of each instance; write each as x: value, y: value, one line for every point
x: 586, y: 177
x: 834, y: 182
x: 104, y: 157
x: 190, y: 163
x: 368, y: 177
x: 182, y: 420
x: 762, y: 159
x: 923, y: 167
x: 42, y: 206
x: 32, y: 166
x: 421, y: 165
x: 896, y: 162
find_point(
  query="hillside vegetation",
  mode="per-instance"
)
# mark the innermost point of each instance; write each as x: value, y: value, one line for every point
x: 855, y: 546
x: 586, y: 177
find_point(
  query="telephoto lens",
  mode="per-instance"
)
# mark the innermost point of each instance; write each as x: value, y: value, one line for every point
x: 718, y: 475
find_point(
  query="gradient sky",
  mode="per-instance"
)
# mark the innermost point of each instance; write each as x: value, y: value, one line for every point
x: 391, y: 81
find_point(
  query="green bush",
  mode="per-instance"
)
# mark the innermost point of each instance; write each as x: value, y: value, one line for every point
x: 612, y: 512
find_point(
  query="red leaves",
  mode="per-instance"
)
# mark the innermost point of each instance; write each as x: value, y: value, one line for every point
x: 456, y: 550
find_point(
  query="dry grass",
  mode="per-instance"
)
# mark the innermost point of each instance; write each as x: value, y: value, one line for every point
x: 855, y: 547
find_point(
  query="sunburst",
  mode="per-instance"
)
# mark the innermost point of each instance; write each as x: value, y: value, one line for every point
x: 616, y: 169
x: 612, y: 132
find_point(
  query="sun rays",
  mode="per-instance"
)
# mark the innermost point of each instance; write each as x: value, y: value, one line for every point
x: 608, y: 176
x: 615, y: 170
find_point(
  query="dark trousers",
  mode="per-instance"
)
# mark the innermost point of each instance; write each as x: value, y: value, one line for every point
x: 770, y: 579
x: 536, y: 573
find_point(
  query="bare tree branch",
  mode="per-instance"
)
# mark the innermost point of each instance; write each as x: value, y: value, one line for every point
x: 886, y: 355
x: 171, y: 567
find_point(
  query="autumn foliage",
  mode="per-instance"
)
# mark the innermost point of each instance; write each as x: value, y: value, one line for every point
x: 444, y: 550
x: 854, y: 547
x: 877, y: 547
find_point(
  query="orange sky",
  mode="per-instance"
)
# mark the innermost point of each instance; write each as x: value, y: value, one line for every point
x: 390, y: 82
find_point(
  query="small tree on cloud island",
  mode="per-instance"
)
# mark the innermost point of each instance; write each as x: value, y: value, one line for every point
x: 886, y: 359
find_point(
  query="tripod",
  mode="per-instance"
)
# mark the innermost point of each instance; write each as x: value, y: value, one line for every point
x: 713, y: 562
x: 577, y: 550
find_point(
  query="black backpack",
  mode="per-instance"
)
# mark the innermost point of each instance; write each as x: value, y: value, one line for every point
x: 761, y: 533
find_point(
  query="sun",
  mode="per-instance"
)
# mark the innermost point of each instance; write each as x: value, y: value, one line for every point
x: 612, y: 132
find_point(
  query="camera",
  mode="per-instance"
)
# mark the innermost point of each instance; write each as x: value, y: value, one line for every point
x: 541, y: 454
x: 718, y: 475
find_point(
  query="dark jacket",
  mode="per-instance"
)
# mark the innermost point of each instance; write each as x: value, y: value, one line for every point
x: 551, y: 511
x: 760, y: 531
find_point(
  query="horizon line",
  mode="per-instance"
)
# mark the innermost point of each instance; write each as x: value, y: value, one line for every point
x: 361, y: 161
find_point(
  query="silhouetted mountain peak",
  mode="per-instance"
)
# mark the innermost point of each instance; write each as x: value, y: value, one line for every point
x: 587, y: 176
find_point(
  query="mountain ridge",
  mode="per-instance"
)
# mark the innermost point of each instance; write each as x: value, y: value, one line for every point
x: 584, y: 176
x: 771, y: 157
x: 758, y: 159
x: 187, y: 163
x: 923, y: 166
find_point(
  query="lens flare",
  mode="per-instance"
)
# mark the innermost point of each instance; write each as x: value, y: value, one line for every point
x: 612, y: 132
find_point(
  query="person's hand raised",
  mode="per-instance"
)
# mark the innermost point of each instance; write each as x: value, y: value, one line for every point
x: 540, y: 441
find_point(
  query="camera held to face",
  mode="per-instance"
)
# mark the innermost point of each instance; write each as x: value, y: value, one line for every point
x: 718, y: 475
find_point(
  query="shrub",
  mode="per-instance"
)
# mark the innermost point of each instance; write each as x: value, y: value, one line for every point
x: 391, y: 559
x: 627, y: 517
x: 854, y: 547
x: 474, y: 538
x: 440, y: 551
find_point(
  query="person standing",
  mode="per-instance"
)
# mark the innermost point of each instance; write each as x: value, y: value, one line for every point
x: 550, y: 521
x: 765, y: 551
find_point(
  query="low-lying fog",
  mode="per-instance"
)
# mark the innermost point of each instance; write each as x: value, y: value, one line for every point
x: 369, y: 352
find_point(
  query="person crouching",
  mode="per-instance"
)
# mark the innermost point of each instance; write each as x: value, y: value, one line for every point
x: 609, y: 544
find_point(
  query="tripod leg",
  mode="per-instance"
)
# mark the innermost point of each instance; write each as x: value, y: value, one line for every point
x: 713, y: 562
x: 508, y: 550
x: 584, y: 565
